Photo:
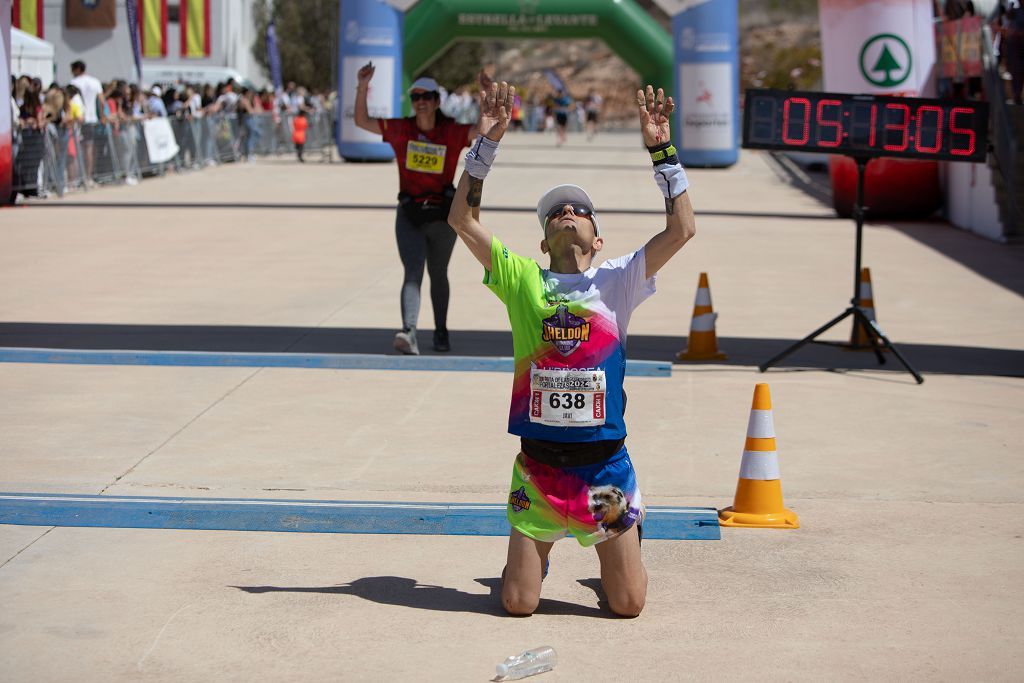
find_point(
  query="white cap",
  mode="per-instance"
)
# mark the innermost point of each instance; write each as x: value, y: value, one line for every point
x: 425, y: 83
x: 156, y: 90
x: 561, y: 195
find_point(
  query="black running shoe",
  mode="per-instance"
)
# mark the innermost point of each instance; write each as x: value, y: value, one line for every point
x: 441, y: 342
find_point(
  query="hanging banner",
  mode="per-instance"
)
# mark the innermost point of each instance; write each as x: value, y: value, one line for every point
x: 160, y: 143
x: 274, y: 57
x: 153, y: 27
x: 90, y: 14
x: 195, y: 28
x: 28, y: 16
x: 131, y: 8
x: 6, y: 158
x: 960, y: 47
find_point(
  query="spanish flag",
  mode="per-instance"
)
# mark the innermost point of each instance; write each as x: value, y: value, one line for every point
x: 195, y: 28
x: 28, y: 16
x: 153, y: 27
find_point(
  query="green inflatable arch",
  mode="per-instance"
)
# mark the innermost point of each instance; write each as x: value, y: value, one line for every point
x: 431, y: 26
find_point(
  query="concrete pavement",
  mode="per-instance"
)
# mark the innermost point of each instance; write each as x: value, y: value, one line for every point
x: 908, y: 564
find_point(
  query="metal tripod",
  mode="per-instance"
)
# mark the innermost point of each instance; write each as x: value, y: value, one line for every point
x: 871, y: 329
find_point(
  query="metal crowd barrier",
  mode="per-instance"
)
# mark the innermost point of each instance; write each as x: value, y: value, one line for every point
x: 55, y: 160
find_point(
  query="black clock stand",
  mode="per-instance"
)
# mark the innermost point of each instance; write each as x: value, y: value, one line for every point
x: 876, y: 338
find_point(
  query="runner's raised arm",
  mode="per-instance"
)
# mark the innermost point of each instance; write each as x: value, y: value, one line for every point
x: 495, y: 112
x: 655, y: 113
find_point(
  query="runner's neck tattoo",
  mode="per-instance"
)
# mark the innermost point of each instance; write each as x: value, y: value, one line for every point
x: 476, y: 189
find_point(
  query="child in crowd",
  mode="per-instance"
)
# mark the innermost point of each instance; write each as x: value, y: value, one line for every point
x: 299, y: 126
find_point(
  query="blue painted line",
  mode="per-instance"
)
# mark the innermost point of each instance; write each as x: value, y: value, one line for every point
x: 334, y: 361
x: 339, y: 517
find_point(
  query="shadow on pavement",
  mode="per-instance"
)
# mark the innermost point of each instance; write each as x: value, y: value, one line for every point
x: 398, y: 590
x: 1002, y: 264
x: 742, y: 351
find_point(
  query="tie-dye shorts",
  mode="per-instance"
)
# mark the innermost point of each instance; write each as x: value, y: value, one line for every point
x: 592, y: 503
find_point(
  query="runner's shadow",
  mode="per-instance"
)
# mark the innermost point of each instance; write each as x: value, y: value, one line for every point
x: 596, y: 586
x: 398, y: 590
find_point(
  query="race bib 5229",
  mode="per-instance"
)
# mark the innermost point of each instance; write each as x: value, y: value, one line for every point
x: 425, y: 157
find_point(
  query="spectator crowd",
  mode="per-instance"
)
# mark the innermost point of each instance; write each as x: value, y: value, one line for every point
x: 87, y: 132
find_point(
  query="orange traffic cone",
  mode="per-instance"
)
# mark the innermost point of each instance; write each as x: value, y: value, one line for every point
x: 758, y: 500
x: 702, y: 343
x: 859, y: 339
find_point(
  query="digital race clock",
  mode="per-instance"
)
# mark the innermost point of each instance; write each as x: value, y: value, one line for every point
x: 865, y: 125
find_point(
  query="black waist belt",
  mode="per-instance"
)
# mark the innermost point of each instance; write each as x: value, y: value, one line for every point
x: 563, y: 454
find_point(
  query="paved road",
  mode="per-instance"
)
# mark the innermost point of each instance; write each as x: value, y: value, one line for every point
x: 908, y: 564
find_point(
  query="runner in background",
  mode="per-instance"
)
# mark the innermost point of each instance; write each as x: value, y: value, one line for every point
x: 427, y: 147
x: 593, y: 105
x: 563, y: 105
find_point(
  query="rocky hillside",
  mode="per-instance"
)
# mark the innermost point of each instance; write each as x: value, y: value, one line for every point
x: 779, y: 47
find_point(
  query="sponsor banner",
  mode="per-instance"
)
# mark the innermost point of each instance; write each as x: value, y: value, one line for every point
x: 160, y: 143
x: 131, y: 8
x: 706, y: 104
x: 960, y: 48
x: 153, y: 27
x: 274, y: 57
x: 28, y: 16
x: 6, y: 160
x: 378, y: 99
x: 194, y: 16
x: 883, y: 47
x: 90, y: 14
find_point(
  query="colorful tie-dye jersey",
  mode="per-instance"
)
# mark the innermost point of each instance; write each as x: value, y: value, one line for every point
x: 568, y: 321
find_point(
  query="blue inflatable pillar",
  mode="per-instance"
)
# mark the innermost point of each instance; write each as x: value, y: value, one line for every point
x: 369, y: 31
x: 705, y: 36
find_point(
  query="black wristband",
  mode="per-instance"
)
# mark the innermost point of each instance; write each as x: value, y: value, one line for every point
x: 664, y: 153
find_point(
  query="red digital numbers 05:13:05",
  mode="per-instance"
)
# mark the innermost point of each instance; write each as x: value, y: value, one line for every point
x: 865, y: 125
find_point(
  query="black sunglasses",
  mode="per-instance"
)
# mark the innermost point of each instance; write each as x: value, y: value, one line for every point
x: 417, y: 96
x: 581, y: 210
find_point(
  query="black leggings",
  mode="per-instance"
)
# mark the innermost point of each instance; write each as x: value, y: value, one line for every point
x: 430, y: 244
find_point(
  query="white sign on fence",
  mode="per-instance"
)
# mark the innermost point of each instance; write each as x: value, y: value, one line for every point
x: 160, y: 141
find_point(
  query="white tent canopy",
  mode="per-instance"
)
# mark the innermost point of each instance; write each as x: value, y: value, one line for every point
x: 31, y: 56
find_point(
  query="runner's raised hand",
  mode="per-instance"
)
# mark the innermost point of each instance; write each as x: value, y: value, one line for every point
x: 366, y: 73
x: 496, y: 109
x: 655, y: 113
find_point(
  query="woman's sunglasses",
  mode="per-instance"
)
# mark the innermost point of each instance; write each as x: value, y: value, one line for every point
x: 417, y: 96
x: 581, y: 210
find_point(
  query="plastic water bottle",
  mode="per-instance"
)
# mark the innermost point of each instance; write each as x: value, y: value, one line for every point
x: 535, y: 661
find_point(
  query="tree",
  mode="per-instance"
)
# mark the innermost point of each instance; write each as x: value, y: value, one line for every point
x: 458, y: 66
x: 307, y: 39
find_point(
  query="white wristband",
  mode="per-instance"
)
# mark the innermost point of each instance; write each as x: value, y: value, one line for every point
x: 480, y: 157
x: 671, y: 178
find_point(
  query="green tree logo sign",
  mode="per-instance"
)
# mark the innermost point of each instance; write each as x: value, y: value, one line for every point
x: 885, y: 60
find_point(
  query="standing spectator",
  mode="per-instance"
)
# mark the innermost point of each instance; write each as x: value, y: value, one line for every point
x: 247, y: 124
x: 299, y: 126
x: 1013, y: 47
x: 30, y: 151
x: 517, y: 112
x: 156, y: 102
x: 90, y: 89
x: 56, y: 108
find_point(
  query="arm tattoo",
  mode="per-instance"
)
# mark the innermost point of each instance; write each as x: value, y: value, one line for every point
x: 476, y: 188
x: 670, y: 206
